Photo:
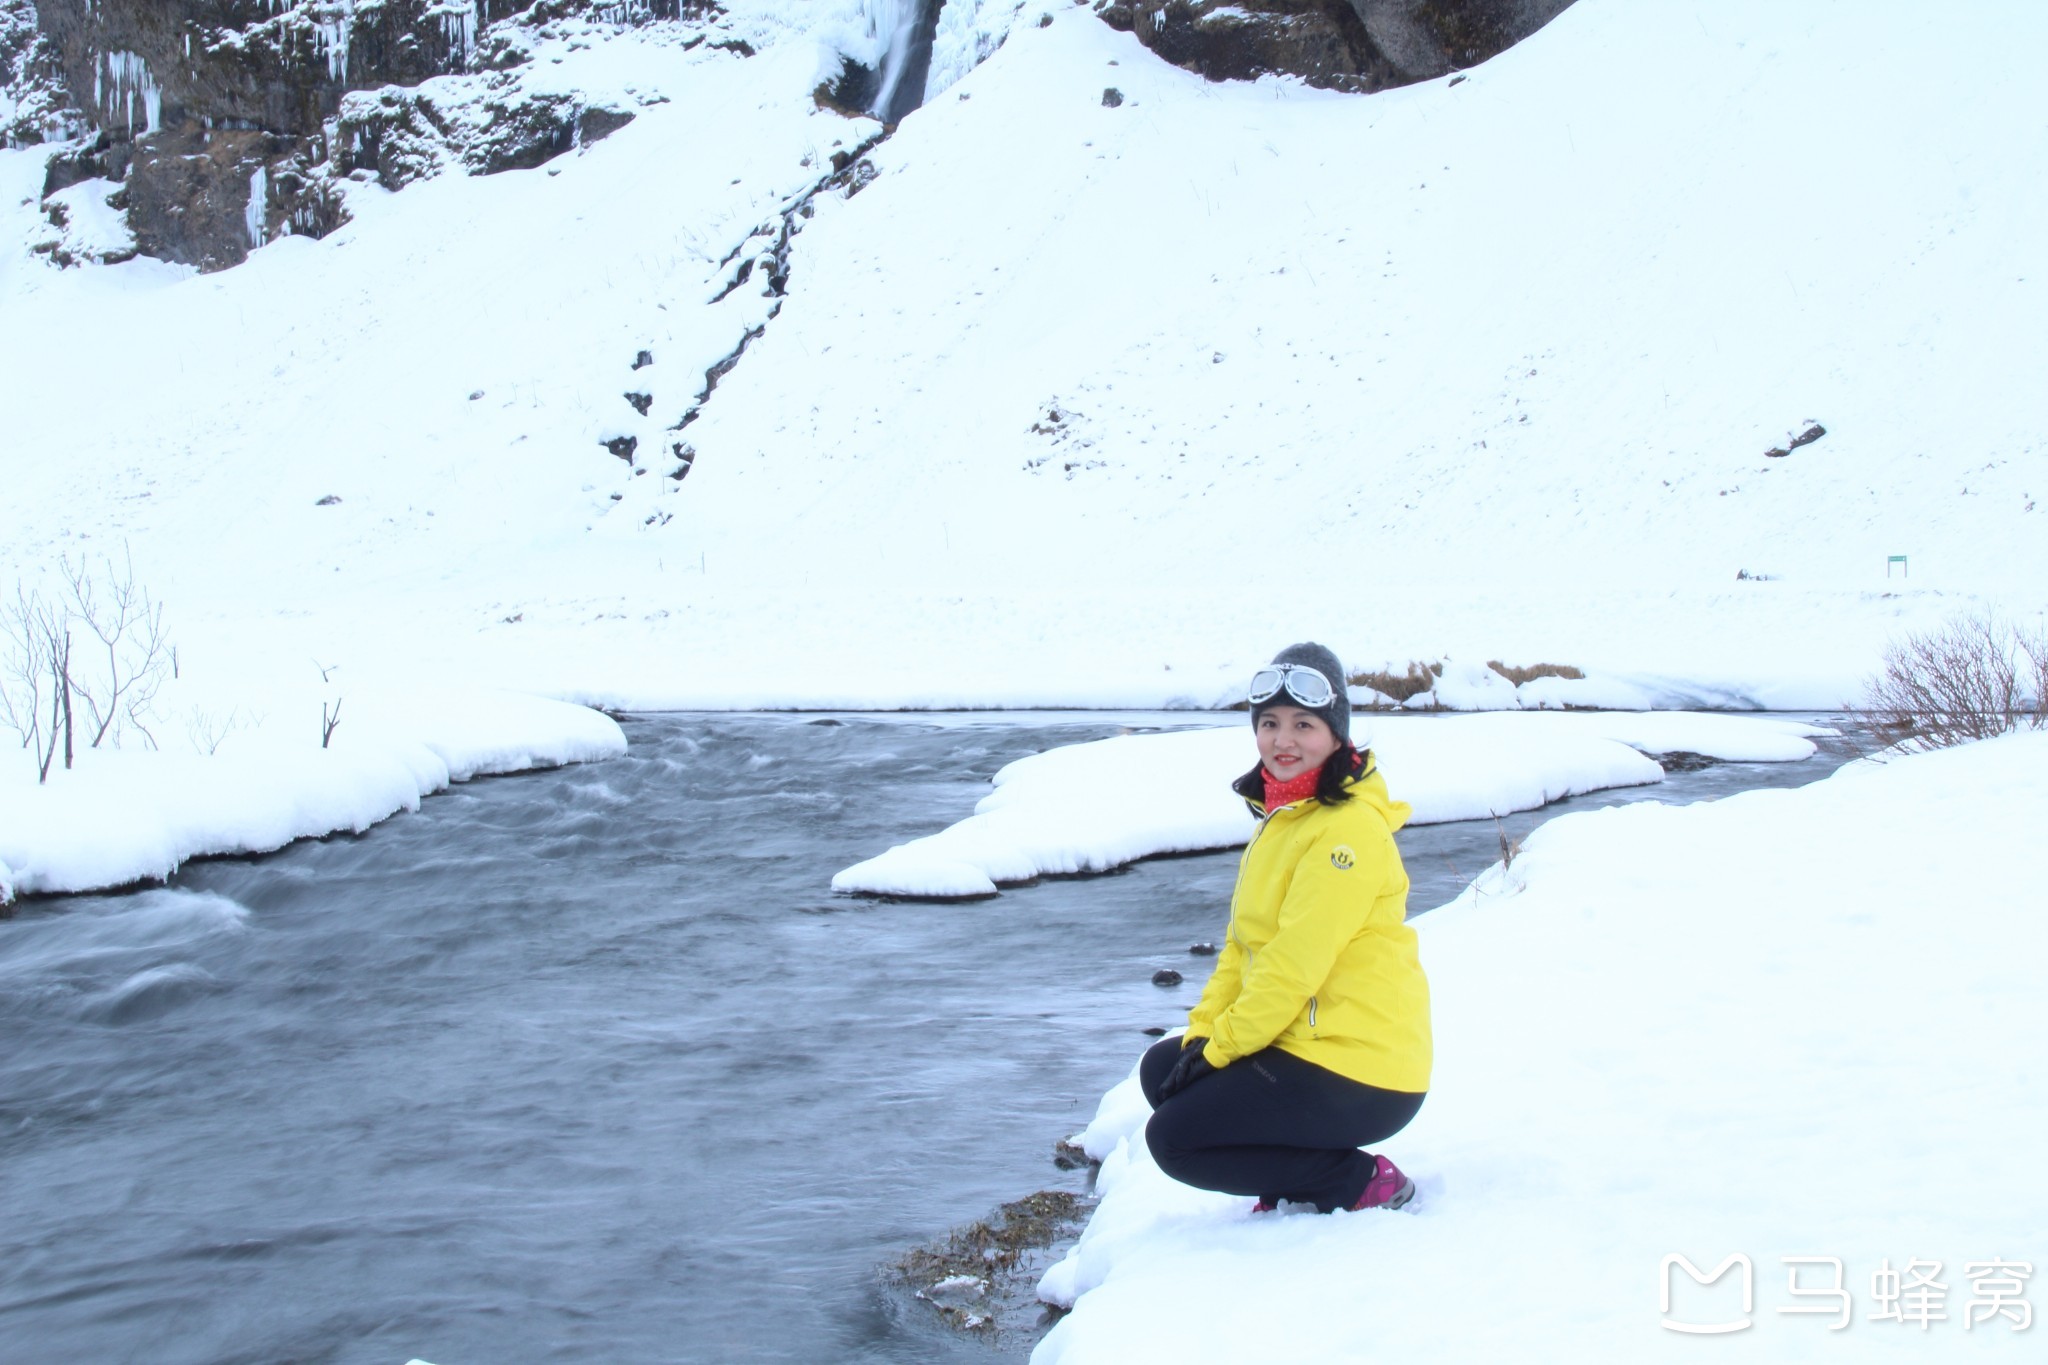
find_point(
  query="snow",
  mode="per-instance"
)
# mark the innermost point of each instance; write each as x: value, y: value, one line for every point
x: 1788, y: 1023
x: 256, y: 778
x: 1089, y: 407
x: 93, y: 230
x: 1072, y: 809
x: 1261, y: 310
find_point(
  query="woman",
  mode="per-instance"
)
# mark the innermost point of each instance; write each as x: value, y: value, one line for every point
x: 1312, y: 1038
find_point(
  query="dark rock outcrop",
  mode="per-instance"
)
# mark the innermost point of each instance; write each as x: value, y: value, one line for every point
x: 403, y: 135
x: 1361, y: 45
x: 250, y: 64
x: 231, y: 121
x: 33, y: 104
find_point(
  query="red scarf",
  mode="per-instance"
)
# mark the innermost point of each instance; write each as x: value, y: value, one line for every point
x: 1297, y: 788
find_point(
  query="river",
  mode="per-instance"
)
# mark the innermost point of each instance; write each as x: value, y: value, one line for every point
x: 586, y: 1064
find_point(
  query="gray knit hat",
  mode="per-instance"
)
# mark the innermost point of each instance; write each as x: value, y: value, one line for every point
x: 1337, y: 712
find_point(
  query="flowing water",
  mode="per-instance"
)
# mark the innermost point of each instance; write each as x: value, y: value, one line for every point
x: 586, y: 1064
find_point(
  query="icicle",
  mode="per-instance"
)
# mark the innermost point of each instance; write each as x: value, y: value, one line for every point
x: 131, y: 80
x: 259, y: 198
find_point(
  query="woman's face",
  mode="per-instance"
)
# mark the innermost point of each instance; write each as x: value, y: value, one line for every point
x: 1293, y: 741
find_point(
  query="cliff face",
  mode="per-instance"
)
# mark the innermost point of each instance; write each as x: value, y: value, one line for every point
x: 145, y: 65
x: 217, y: 125
x: 227, y: 122
x: 1361, y: 45
x: 34, y: 106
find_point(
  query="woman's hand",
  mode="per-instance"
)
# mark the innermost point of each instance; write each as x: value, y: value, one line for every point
x: 1188, y: 1068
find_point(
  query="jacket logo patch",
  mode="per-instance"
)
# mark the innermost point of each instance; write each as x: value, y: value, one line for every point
x: 1341, y: 857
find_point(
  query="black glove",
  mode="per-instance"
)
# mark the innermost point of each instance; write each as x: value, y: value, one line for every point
x: 1188, y: 1068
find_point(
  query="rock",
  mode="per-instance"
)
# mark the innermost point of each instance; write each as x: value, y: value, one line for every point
x: 231, y: 120
x: 1322, y: 41
x: 1068, y: 1157
x: 1166, y: 976
x: 641, y: 402
x: 1429, y: 38
x: 1154, y: 1032
x: 1360, y: 45
x: 208, y: 198
x: 643, y: 360
x: 479, y: 126
x: 100, y: 159
x: 622, y: 446
x: 85, y: 225
x: 1684, y: 760
x: 1202, y: 949
x: 34, y: 107
x: 1112, y: 98
x: 329, y: 501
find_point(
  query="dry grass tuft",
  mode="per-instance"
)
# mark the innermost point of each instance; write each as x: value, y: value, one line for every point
x: 1419, y: 678
x: 1517, y: 674
x: 1508, y: 847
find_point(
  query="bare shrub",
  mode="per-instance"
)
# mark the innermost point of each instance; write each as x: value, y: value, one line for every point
x: 2035, y: 645
x: 1966, y: 679
x: 35, y: 676
x: 133, y: 659
x: 121, y: 661
x: 1518, y: 674
x: 208, y: 730
x: 1419, y: 678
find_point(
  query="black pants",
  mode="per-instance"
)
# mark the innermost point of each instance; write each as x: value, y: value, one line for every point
x: 1272, y: 1125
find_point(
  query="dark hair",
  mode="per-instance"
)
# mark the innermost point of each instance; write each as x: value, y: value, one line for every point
x: 1339, y: 768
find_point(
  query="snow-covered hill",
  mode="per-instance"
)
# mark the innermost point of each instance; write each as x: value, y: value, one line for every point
x: 1087, y: 404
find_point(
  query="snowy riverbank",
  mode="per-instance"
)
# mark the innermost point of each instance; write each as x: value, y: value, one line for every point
x: 1093, y: 807
x: 136, y: 814
x: 1787, y: 1024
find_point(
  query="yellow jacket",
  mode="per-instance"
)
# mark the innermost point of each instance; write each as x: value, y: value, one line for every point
x: 1320, y: 963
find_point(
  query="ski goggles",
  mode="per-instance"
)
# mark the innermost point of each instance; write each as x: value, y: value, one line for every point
x: 1306, y: 685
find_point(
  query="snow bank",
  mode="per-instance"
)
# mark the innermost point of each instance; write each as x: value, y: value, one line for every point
x: 1789, y: 1023
x: 125, y: 816
x: 1091, y: 807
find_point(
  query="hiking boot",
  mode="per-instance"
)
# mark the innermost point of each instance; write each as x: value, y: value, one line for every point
x: 1388, y: 1188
